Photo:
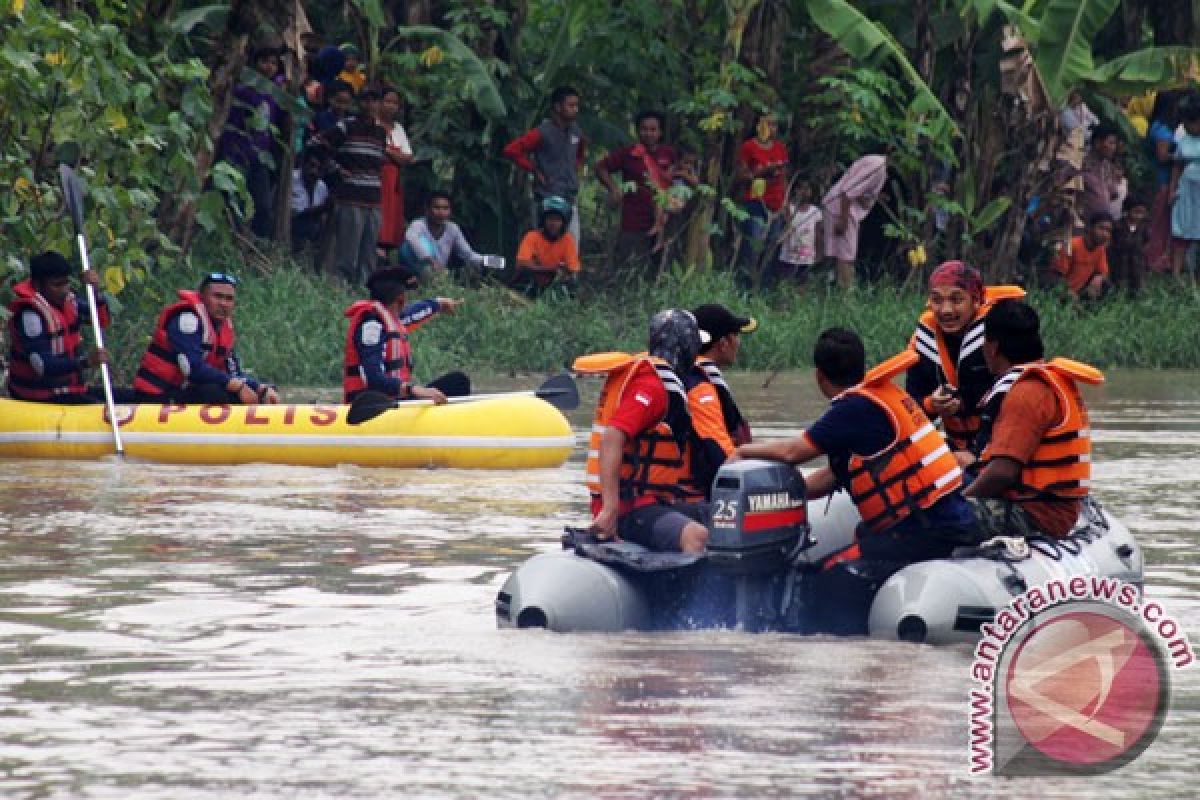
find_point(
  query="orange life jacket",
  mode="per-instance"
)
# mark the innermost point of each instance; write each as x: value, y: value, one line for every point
x: 930, y: 344
x: 65, y: 331
x: 735, y: 423
x: 656, y: 463
x: 913, y: 472
x: 397, y: 351
x: 1061, y: 466
x: 161, y: 370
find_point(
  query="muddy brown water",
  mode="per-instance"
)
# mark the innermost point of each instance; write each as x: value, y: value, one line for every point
x: 283, y: 632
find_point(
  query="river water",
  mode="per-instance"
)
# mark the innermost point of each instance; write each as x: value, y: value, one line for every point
x: 276, y: 632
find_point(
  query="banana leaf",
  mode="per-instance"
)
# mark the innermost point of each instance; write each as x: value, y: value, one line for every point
x: 1150, y: 68
x: 484, y: 92
x: 1063, y: 51
x: 864, y: 40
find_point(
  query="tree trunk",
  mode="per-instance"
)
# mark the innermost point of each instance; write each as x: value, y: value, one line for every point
x: 1173, y: 21
x: 246, y: 17
x: 697, y: 250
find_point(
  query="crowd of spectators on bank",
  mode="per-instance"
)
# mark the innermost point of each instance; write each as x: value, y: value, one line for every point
x: 351, y: 148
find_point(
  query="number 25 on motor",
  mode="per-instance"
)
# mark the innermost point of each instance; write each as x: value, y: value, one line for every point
x: 725, y: 513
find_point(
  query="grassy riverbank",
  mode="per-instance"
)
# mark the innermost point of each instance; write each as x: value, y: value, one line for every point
x: 291, y: 329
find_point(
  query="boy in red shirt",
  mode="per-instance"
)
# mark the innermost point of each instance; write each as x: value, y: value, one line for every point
x: 762, y: 166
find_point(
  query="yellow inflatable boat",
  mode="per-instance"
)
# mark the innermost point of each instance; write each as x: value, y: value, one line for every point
x: 516, y: 431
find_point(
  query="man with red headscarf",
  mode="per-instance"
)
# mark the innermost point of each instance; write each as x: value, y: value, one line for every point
x: 952, y: 376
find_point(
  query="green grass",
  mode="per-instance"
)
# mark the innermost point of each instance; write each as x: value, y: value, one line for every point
x: 291, y: 328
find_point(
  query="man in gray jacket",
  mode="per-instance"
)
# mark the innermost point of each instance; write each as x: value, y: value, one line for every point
x: 554, y: 152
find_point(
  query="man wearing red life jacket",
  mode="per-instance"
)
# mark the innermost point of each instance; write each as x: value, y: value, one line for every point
x: 884, y: 450
x: 951, y: 376
x: 1035, y: 469
x: 638, y: 468
x: 191, y: 358
x: 378, y: 353
x: 46, y: 361
x: 716, y: 419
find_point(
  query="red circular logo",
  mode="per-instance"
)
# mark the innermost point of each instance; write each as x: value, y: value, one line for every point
x: 1087, y: 688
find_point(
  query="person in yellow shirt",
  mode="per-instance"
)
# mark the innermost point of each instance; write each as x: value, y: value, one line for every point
x: 549, y: 251
x: 353, y: 72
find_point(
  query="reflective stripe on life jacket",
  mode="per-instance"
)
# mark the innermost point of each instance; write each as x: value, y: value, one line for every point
x: 735, y: 423
x: 930, y: 344
x: 1061, y: 466
x: 656, y: 462
x: 163, y: 369
x: 913, y: 472
x: 25, y: 382
x: 397, y: 351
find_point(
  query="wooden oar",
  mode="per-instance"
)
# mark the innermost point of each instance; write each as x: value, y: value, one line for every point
x: 559, y: 391
x: 73, y: 194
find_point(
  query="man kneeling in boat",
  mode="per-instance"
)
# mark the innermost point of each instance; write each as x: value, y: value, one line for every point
x: 46, y: 360
x: 882, y: 447
x: 1035, y: 466
x: 378, y: 353
x: 638, y: 467
x: 191, y: 358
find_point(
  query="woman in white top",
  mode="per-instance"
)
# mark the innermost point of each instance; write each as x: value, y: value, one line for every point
x: 398, y: 153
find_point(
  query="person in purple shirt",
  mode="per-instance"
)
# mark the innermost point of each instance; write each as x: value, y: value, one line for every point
x: 248, y: 141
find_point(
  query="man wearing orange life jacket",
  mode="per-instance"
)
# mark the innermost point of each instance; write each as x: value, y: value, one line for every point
x: 191, y: 356
x: 716, y: 419
x: 46, y: 361
x: 1036, y: 467
x: 951, y: 377
x: 638, y: 468
x: 884, y: 450
x: 378, y: 353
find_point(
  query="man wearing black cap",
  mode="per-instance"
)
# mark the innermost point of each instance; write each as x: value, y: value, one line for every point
x: 191, y: 358
x: 709, y: 398
x: 46, y: 364
x: 378, y: 353
x: 638, y: 468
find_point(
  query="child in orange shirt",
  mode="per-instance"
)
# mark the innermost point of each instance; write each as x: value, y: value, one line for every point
x: 548, y: 251
x: 1085, y: 268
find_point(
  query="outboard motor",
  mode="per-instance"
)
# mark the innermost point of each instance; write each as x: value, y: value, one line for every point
x: 759, y: 520
x: 759, y: 523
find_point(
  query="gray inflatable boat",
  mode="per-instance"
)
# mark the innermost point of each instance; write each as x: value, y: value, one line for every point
x: 771, y: 565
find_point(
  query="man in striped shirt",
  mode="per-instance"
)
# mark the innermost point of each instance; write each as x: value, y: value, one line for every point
x: 359, y: 144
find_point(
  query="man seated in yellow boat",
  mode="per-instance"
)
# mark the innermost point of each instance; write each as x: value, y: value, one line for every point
x: 1035, y: 464
x: 378, y: 353
x: 46, y: 360
x: 638, y: 467
x: 191, y: 356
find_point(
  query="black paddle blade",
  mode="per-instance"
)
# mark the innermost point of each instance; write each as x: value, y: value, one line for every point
x: 73, y: 194
x: 452, y: 384
x: 560, y: 391
x: 368, y: 406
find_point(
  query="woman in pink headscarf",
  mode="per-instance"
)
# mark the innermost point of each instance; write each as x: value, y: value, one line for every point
x: 846, y: 204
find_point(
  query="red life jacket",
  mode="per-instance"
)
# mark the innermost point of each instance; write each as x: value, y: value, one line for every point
x: 397, y: 351
x: 64, y: 328
x: 915, y: 470
x: 656, y: 464
x: 162, y: 368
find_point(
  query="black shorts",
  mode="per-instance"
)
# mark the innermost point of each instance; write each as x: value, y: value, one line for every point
x: 660, y: 526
